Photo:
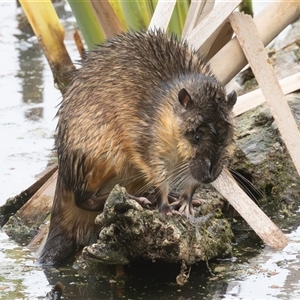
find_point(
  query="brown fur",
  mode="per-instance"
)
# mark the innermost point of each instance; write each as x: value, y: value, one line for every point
x: 142, y: 111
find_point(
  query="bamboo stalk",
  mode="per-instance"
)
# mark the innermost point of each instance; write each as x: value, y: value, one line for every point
x: 50, y: 33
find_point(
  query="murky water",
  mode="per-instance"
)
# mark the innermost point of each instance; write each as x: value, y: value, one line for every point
x: 27, y: 109
x: 27, y: 106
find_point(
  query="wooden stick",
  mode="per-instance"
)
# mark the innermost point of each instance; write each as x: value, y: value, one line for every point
x: 219, y: 40
x: 256, y: 97
x: 197, y: 11
x: 248, y: 37
x: 205, y: 33
x: 38, y: 241
x: 230, y: 60
x: 39, y: 206
x: 12, y: 205
x: 226, y: 64
x: 162, y: 14
x: 253, y: 215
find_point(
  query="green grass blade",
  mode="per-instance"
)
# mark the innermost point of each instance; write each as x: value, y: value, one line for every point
x: 87, y: 22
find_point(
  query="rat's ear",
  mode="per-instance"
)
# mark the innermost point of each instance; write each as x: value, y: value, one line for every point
x: 231, y: 98
x: 184, y: 98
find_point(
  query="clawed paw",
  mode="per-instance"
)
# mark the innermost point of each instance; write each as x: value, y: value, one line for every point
x: 183, y: 207
x: 197, y: 202
x: 168, y: 210
x: 143, y: 201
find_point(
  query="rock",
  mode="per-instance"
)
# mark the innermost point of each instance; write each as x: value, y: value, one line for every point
x: 130, y: 232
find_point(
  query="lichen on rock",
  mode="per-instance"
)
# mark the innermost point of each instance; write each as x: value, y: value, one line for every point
x: 130, y: 232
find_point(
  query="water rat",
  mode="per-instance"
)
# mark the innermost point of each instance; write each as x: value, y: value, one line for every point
x: 144, y: 110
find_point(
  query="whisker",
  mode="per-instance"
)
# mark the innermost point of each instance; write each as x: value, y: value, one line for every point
x: 145, y: 188
x: 179, y: 176
x: 177, y: 173
x: 258, y: 191
x: 174, y: 178
x: 250, y: 189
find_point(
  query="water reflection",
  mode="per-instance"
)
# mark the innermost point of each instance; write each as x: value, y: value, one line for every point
x: 31, y: 68
x: 32, y: 65
x: 28, y: 103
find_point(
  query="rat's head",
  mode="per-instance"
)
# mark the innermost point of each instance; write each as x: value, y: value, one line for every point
x: 207, y: 126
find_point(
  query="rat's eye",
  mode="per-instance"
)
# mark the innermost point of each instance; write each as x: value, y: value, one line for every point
x: 197, y: 137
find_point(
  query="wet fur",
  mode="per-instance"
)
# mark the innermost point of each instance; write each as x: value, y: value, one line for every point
x: 122, y: 120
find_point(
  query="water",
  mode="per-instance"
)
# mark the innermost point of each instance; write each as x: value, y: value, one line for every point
x: 27, y: 106
x: 27, y: 110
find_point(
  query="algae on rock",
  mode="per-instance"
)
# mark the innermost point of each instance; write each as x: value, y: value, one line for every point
x: 130, y: 232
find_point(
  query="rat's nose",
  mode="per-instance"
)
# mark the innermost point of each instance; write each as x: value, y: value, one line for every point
x: 208, y: 164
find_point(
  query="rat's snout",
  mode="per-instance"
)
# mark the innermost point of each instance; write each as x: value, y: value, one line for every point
x: 205, y: 170
x: 208, y: 164
x: 210, y: 171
